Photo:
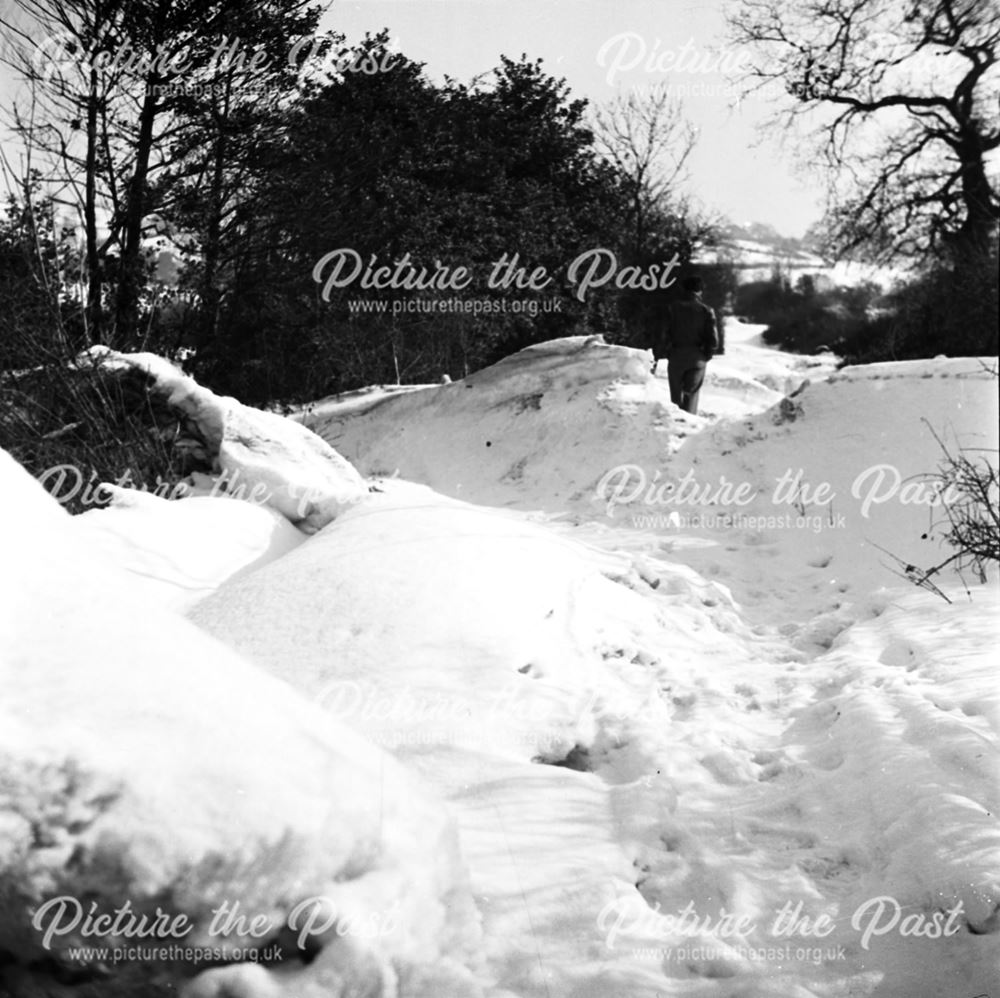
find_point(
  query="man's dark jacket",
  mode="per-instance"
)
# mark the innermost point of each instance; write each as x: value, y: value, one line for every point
x: 689, y: 328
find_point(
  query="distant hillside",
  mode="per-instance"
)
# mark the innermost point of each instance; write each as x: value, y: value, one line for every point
x: 756, y: 249
x: 767, y: 235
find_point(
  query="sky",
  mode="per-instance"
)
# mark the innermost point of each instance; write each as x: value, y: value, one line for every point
x: 605, y: 49
x: 593, y: 44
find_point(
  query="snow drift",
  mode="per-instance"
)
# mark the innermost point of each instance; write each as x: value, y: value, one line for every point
x: 177, y: 552
x: 431, y: 620
x: 543, y: 425
x: 144, y: 765
x: 515, y: 428
x: 257, y: 455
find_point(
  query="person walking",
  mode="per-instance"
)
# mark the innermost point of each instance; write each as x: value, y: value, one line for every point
x: 689, y: 338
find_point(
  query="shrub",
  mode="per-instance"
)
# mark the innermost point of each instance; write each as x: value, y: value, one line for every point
x: 74, y: 428
x: 950, y: 309
x: 969, y: 522
x: 812, y: 326
x: 805, y: 320
x: 762, y: 301
x: 54, y: 413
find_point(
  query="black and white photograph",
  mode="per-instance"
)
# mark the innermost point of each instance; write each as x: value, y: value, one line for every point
x: 499, y: 499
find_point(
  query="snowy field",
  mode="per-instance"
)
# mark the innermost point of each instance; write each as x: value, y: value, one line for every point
x: 562, y: 693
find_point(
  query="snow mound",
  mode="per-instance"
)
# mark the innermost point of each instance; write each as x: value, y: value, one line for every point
x: 841, y: 480
x: 433, y: 619
x: 543, y: 422
x: 277, y: 459
x: 145, y: 767
x: 178, y: 551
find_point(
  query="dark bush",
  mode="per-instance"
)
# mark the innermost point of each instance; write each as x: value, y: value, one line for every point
x: 813, y: 326
x: 949, y: 310
x: 805, y: 320
x: 97, y: 424
x: 74, y: 428
x: 762, y: 301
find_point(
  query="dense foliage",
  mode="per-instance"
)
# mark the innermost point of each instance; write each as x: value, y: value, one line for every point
x: 943, y: 310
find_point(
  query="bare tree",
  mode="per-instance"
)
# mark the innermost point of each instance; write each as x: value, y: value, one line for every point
x: 649, y: 141
x: 906, y: 102
x: 113, y: 109
x: 64, y: 117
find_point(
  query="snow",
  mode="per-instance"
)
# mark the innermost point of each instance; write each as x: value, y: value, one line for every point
x: 512, y: 433
x: 259, y: 455
x: 771, y: 798
x: 141, y: 762
x: 175, y: 553
x: 867, y: 436
x: 712, y: 747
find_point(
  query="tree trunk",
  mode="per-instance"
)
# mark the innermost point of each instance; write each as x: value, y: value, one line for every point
x: 130, y: 271
x: 93, y: 315
x: 210, y: 295
x: 980, y: 226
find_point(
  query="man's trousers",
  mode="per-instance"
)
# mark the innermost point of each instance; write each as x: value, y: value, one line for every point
x: 686, y: 373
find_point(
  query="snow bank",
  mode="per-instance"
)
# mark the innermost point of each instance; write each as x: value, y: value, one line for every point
x: 811, y: 747
x: 542, y: 422
x: 542, y: 426
x: 178, y: 551
x: 258, y: 455
x: 840, y: 484
x: 416, y: 615
x: 144, y: 764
